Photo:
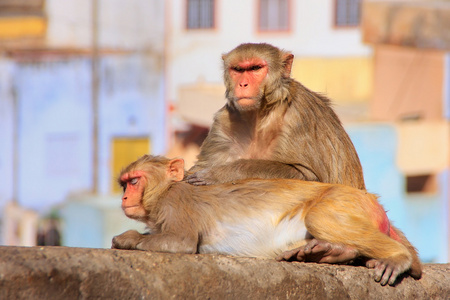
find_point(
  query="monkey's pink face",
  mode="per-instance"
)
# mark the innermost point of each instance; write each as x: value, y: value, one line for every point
x: 247, y: 77
x: 134, y: 184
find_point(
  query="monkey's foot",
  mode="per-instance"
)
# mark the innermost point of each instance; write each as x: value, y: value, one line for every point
x: 320, y: 252
x: 386, y: 270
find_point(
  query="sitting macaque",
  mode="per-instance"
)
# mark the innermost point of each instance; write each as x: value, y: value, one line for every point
x: 258, y: 218
x: 273, y: 127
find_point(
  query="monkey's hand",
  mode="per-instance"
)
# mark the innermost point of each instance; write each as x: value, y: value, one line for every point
x: 202, y: 177
x: 320, y: 252
x: 127, y: 240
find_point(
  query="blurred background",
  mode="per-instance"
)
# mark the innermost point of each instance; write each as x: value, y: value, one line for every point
x: 87, y: 86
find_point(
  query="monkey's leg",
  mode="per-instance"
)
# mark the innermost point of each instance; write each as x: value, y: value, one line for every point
x: 347, y: 223
x: 161, y: 242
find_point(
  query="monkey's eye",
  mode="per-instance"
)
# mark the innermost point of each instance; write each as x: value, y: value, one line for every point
x: 255, y: 67
x: 134, y: 181
x: 238, y: 69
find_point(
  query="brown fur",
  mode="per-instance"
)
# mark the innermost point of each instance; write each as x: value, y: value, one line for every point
x: 291, y: 133
x: 190, y: 219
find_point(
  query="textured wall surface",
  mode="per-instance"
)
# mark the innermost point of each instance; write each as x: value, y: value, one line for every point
x: 82, y: 273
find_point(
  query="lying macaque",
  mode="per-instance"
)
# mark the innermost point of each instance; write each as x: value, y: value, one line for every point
x: 272, y: 218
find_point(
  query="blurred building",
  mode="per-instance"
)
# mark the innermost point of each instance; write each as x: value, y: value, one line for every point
x: 384, y: 64
x: 323, y: 35
x: 411, y: 42
x: 81, y: 95
x: 70, y: 69
x: 390, y: 92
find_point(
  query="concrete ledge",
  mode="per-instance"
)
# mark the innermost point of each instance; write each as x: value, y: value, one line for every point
x: 82, y: 273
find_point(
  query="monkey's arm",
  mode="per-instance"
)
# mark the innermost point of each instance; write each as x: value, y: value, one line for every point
x: 249, y: 168
x: 165, y: 242
x: 176, y: 231
x: 161, y: 242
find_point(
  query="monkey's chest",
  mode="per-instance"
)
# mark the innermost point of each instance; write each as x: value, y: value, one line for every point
x: 257, y: 147
x: 254, y: 237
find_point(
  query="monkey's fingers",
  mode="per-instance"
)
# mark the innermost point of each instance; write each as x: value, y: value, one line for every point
x: 115, y: 244
x: 296, y: 254
x: 371, y: 263
x: 316, y: 246
x: 324, y: 252
x: 195, y: 180
x: 203, y: 177
x: 383, y: 273
x: 126, y: 240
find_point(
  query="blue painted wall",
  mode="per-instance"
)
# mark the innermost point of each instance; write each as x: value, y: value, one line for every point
x: 54, y: 123
x: 422, y: 217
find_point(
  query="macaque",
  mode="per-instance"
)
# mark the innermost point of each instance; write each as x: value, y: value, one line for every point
x: 273, y: 127
x: 258, y: 218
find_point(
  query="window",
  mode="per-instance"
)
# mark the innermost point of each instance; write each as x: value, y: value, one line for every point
x: 200, y: 14
x: 421, y: 184
x: 124, y: 151
x: 347, y: 12
x: 21, y: 7
x: 22, y: 19
x: 273, y: 15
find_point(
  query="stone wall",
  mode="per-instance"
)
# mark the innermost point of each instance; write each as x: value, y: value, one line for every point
x: 83, y: 273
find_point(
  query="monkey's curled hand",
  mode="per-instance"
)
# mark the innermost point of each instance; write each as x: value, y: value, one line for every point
x: 202, y: 177
x: 127, y: 240
x: 320, y: 252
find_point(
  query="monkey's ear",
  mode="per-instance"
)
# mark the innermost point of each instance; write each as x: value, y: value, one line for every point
x: 176, y: 169
x: 288, y: 60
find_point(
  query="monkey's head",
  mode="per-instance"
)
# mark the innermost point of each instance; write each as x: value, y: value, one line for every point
x: 256, y: 75
x: 144, y: 180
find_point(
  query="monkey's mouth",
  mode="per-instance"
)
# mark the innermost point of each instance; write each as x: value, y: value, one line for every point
x: 127, y: 207
x: 246, y: 101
